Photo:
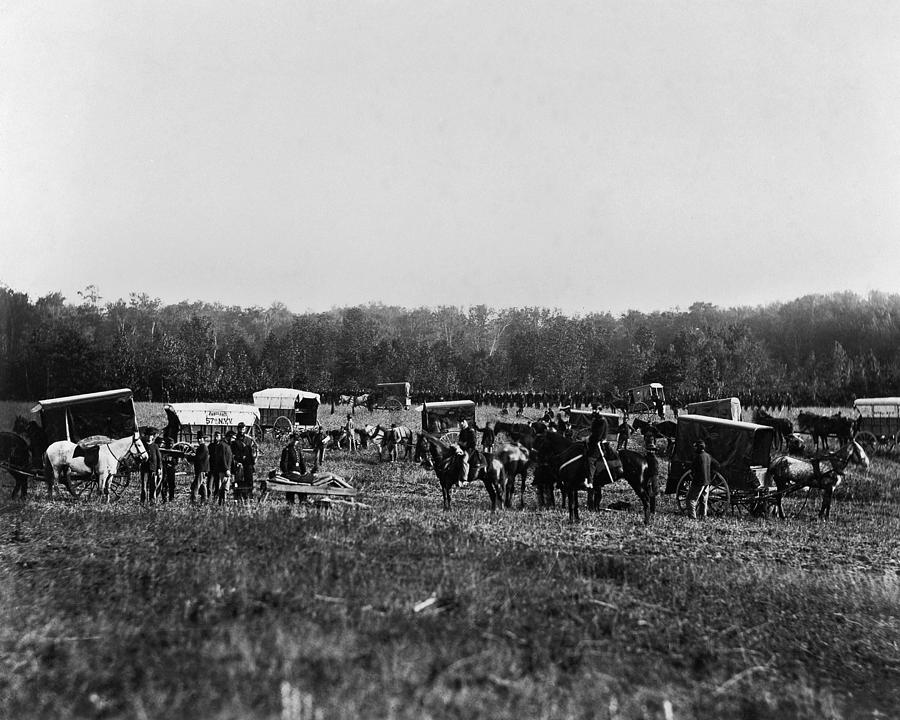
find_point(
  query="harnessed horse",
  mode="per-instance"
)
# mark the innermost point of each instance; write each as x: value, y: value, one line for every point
x: 101, y: 462
x: 825, y: 473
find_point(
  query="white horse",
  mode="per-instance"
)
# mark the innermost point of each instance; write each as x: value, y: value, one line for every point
x: 825, y: 472
x: 101, y: 462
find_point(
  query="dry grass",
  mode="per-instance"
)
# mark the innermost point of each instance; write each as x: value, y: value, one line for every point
x: 266, y: 611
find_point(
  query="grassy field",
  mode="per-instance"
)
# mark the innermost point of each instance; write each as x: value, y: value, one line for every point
x: 271, y: 611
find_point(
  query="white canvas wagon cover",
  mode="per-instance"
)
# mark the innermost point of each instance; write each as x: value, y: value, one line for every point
x: 282, y: 398
x: 214, y: 414
x: 878, y: 406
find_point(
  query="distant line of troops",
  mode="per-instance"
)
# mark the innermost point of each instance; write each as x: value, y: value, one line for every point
x: 592, y: 398
x: 223, y: 465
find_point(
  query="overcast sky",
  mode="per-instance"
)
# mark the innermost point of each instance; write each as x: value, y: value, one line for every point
x: 589, y: 156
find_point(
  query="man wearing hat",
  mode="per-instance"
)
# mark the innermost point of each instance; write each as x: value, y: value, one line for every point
x: 702, y: 469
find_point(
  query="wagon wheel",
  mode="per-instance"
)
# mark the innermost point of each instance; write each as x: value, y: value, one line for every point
x: 257, y: 430
x: 642, y: 410
x: 282, y: 427
x: 83, y: 487
x: 719, y: 501
x: 868, y: 441
x: 393, y: 405
x: 450, y: 438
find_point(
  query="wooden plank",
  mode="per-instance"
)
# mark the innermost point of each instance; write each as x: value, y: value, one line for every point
x: 307, y: 489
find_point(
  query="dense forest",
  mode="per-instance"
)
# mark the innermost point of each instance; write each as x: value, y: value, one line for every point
x: 820, y: 348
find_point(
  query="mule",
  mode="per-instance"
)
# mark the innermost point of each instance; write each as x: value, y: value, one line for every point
x: 451, y: 465
x: 825, y: 473
x: 100, y: 462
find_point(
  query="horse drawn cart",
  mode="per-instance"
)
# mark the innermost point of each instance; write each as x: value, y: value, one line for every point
x: 645, y: 400
x: 286, y: 410
x: 443, y: 418
x: 878, y: 423
x: 89, y: 420
x: 393, y: 396
x: 743, y: 451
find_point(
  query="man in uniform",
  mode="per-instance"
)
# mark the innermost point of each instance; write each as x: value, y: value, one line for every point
x: 169, y: 465
x: 702, y: 469
x: 220, y: 459
x: 200, y: 460
x: 292, y: 465
x: 467, y: 441
x: 594, y: 451
x: 238, y: 451
x: 151, y: 468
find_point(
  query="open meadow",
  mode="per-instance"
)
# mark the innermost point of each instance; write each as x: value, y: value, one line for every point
x: 301, y: 612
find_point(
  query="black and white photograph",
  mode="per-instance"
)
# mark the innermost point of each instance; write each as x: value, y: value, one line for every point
x: 394, y: 360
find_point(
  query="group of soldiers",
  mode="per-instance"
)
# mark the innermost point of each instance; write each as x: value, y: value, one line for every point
x: 224, y: 465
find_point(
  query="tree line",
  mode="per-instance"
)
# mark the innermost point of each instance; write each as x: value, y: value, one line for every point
x: 823, y: 349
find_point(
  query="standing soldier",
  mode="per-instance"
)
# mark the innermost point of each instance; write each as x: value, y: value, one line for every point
x: 351, y: 434
x: 150, y: 468
x: 318, y: 442
x: 622, y: 435
x: 487, y: 438
x: 169, y: 465
x: 238, y: 450
x: 220, y: 459
x: 200, y: 460
x: 291, y: 464
x: 702, y: 469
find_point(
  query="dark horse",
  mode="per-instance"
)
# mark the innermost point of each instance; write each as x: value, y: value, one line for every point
x: 565, y: 462
x: 782, y: 426
x: 28, y: 450
x: 451, y: 465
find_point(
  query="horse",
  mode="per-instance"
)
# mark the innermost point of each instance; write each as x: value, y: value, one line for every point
x: 515, y: 459
x: 566, y: 461
x: 521, y: 433
x: 101, y: 462
x: 398, y: 436
x: 366, y: 400
x: 489, y: 469
x: 451, y: 465
x: 825, y: 473
x: 819, y: 426
x: 782, y: 426
x: 20, y: 467
x: 666, y: 429
x: 15, y: 458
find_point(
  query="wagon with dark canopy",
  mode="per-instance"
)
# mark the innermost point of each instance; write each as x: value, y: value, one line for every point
x: 743, y: 451
x: 393, y: 396
x: 443, y: 418
x: 88, y: 420
x: 286, y: 410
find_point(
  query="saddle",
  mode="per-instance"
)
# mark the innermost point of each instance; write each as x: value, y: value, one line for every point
x: 91, y: 454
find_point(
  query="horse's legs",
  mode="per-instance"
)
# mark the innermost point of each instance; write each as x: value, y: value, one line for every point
x: 491, y: 491
x: 825, y: 510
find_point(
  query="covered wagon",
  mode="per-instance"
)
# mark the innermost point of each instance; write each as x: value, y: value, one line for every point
x: 285, y: 410
x: 725, y: 408
x: 186, y: 420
